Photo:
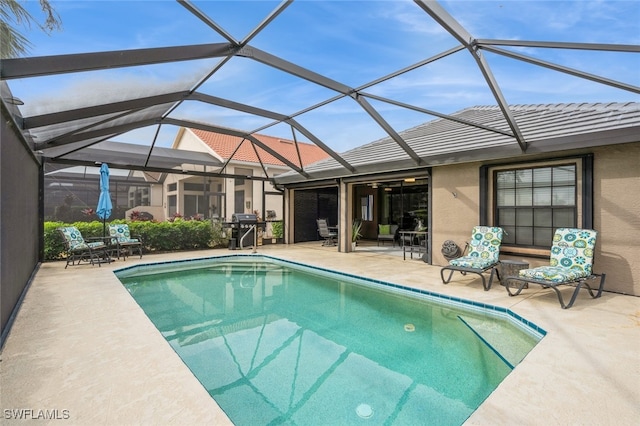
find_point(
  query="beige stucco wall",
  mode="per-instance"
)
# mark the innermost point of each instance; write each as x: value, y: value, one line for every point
x: 617, y: 216
x: 185, y: 139
x: 453, y: 217
x: 616, y: 212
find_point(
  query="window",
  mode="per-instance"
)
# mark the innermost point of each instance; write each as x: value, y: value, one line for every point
x: 138, y: 196
x: 366, y: 204
x: 198, y: 187
x: 244, y: 172
x: 406, y: 204
x: 194, y: 205
x: 530, y: 203
x: 172, y: 204
x: 172, y: 187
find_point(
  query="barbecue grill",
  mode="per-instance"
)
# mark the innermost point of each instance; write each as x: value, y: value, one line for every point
x: 243, y: 229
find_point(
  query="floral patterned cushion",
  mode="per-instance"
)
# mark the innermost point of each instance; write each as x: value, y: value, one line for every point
x: 472, y: 262
x: 571, y: 257
x: 121, y: 233
x: 75, y: 240
x: 484, y: 248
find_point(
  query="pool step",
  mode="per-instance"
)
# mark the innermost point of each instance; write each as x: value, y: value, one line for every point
x: 240, y: 267
x: 483, y: 340
x: 505, y: 342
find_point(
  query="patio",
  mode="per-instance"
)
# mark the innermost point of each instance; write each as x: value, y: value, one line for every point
x: 81, y: 345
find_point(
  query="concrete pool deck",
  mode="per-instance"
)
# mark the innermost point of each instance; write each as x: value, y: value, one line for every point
x: 81, y: 349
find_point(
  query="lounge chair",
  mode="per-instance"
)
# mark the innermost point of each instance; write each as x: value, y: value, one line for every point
x: 387, y: 233
x: 483, y: 255
x: 77, y: 249
x: 329, y: 236
x: 570, y: 263
x: 122, y: 242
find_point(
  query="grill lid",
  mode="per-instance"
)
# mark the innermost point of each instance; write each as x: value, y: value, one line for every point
x: 244, y: 217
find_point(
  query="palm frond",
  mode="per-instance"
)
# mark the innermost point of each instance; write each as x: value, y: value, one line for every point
x: 12, y: 14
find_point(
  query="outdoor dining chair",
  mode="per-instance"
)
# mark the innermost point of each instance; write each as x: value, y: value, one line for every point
x: 328, y: 236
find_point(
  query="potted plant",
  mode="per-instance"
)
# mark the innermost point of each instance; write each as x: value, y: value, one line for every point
x: 355, y: 233
x: 277, y: 230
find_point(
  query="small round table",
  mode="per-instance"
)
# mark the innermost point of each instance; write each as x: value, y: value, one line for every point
x: 510, y: 268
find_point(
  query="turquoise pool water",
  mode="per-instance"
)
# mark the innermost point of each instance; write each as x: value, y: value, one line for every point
x: 275, y: 342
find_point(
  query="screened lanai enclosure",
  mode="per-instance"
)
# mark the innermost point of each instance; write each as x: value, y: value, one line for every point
x: 357, y: 79
x: 249, y: 76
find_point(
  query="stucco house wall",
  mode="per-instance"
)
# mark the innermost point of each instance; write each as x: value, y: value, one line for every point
x: 185, y: 139
x: 617, y: 218
x: 453, y: 216
x: 616, y: 212
x: 271, y: 157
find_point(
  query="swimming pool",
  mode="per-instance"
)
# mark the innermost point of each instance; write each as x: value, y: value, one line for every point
x: 277, y: 342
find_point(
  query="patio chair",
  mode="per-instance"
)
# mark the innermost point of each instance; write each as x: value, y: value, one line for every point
x: 387, y: 233
x: 570, y: 263
x: 122, y: 242
x: 323, y: 230
x: 483, y: 255
x: 77, y: 249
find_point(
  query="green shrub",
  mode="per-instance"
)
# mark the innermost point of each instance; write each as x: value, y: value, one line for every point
x: 53, y: 242
x: 219, y: 237
x: 156, y: 236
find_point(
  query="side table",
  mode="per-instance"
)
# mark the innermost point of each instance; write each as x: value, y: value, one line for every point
x: 510, y: 268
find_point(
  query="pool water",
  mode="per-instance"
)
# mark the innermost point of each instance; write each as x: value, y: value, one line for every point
x: 275, y: 342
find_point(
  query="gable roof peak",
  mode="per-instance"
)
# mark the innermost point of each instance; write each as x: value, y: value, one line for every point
x: 241, y: 149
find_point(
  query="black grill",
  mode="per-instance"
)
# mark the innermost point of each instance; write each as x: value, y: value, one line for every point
x: 244, y: 219
x: 241, y: 224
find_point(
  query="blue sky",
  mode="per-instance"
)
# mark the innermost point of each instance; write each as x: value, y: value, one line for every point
x: 353, y: 42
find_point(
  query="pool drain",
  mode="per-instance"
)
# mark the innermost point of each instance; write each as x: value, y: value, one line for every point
x: 409, y: 328
x: 364, y: 411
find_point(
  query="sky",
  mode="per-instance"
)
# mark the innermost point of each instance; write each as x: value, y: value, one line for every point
x: 352, y: 42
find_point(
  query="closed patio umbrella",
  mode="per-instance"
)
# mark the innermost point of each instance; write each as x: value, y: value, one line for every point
x: 104, y: 202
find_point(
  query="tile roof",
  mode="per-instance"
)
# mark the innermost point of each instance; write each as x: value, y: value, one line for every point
x: 546, y: 128
x: 225, y: 145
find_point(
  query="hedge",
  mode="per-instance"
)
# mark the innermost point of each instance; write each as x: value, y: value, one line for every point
x: 156, y: 236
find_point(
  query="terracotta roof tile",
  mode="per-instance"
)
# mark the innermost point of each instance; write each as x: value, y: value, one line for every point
x: 225, y: 145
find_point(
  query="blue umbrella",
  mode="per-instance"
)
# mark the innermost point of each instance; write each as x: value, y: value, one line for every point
x: 104, y: 202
